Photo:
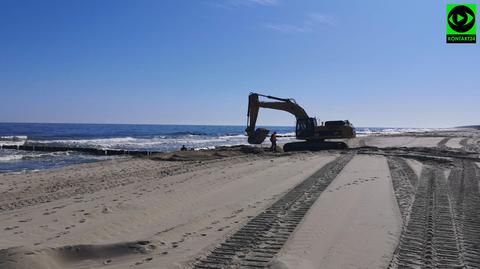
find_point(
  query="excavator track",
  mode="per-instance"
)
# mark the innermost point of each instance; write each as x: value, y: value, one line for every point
x: 255, y: 244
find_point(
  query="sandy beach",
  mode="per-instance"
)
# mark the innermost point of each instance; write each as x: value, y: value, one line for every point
x: 239, y: 134
x: 402, y: 201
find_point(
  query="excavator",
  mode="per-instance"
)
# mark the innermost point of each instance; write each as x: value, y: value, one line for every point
x: 307, y: 129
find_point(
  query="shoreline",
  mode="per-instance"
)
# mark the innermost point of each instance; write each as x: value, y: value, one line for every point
x: 353, y: 143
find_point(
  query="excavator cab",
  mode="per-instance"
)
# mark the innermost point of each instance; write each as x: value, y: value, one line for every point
x: 305, y: 128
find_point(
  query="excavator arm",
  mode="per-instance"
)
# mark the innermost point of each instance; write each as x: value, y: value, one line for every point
x: 257, y: 136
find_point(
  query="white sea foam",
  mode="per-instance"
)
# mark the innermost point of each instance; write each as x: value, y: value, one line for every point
x: 393, y: 131
x: 13, y: 137
x: 10, y: 158
x: 13, y: 140
x: 29, y: 155
x: 160, y: 143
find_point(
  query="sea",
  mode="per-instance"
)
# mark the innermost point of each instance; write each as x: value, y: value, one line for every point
x: 162, y: 138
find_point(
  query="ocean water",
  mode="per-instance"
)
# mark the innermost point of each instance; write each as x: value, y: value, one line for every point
x: 123, y: 136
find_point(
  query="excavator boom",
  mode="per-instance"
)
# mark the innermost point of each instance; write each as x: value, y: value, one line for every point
x: 254, y: 105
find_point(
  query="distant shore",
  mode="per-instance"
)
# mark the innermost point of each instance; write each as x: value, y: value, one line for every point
x: 477, y: 127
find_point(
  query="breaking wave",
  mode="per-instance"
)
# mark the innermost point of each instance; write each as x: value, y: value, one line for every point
x: 365, y: 131
x: 159, y: 143
x: 13, y: 139
x: 9, y: 156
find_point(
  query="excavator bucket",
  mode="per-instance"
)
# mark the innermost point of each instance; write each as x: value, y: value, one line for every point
x: 258, y: 136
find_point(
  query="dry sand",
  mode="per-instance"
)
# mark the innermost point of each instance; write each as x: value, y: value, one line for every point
x: 354, y: 224
x: 172, y: 209
x: 181, y: 208
x: 395, y: 141
x: 454, y: 143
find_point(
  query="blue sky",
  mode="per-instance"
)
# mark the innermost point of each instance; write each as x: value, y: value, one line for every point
x: 377, y: 63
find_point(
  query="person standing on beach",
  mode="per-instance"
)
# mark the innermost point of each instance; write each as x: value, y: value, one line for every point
x: 273, y: 139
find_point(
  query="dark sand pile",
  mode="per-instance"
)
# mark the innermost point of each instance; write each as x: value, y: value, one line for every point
x: 213, y: 154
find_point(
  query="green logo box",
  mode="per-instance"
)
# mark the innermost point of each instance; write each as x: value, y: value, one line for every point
x: 461, y: 23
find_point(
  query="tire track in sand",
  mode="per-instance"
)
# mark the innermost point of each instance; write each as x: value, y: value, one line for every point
x: 443, y: 142
x: 256, y: 243
x: 429, y: 239
x: 464, y: 184
x: 404, y: 182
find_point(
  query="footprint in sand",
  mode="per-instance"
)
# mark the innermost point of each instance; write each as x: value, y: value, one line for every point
x: 106, y: 210
x: 144, y: 260
x: 10, y: 228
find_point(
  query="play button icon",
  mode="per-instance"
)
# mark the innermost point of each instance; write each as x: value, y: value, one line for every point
x: 459, y: 18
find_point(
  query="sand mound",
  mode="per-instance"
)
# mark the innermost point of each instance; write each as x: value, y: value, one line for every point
x: 23, y: 258
x: 209, y: 154
x: 96, y: 252
x: 62, y: 257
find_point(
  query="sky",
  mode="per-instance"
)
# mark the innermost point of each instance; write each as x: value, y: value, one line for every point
x: 377, y: 63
